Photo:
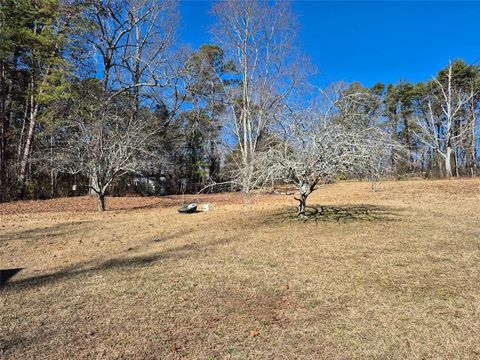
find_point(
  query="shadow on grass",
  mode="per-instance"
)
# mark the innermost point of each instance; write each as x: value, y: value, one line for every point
x: 124, y: 261
x: 337, y: 213
x: 160, y: 204
x: 43, y: 233
x: 6, y: 274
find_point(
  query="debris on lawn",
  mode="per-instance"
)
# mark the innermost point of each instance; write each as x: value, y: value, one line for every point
x: 188, y: 209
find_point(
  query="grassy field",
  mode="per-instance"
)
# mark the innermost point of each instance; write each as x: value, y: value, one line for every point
x: 381, y: 275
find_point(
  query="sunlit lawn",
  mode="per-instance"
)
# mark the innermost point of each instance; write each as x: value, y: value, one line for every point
x: 388, y: 274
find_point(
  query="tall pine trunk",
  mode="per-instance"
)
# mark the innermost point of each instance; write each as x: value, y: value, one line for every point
x: 27, y: 150
x: 5, y: 115
x: 4, y: 122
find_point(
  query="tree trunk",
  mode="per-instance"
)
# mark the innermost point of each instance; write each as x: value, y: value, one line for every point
x: 53, y: 181
x: 303, y: 204
x: 440, y: 164
x: 246, y: 177
x: 3, y: 128
x: 304, y: 192
x: 448, y: 162
x: 212, y: 134
x: 101, y: 202
x: 26, y: 153
x: 93, y: 184
x: 456, y: 160
x: 3, y: 156
x: 5, y: 115
x: 473, y: 150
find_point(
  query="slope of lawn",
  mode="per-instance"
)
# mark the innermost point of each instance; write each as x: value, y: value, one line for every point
x: 387, y: 274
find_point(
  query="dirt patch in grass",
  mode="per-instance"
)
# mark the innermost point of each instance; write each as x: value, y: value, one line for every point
x: 388, y: 274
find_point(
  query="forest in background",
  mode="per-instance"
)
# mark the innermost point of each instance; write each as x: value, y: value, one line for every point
x: 100, y: 96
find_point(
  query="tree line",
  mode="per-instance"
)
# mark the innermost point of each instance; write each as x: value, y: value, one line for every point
x: 99, y: 96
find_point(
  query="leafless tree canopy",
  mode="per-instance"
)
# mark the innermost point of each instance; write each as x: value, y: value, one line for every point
x: 259, y: 37
x: 314, y: 147
x: 448, y: 118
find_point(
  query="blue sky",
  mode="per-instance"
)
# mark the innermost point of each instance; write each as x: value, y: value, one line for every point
x: 370, y: 42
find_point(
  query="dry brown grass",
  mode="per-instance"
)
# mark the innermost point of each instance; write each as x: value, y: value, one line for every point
x: 391, y: 274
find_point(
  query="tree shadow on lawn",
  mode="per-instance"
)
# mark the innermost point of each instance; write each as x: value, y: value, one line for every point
x: 160, y: 204
x: 6, y: 274
x: 338, y: 213
x: 122, y: 262
x: 44, y: 232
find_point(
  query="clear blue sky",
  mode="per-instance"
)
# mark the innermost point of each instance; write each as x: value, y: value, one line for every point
x: 379, y: 41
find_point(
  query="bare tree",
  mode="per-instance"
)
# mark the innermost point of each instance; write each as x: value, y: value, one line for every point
x: 472, y: 135
x: 259, y: 37
x: 102, y: 141
x: 133, y: 39
x: 146, y: 51
x: 446, y: 120
x: 315, y: 147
